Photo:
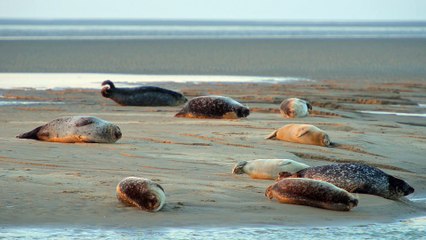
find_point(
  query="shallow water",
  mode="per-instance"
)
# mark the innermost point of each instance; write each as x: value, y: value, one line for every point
x: 17, y: 103
x: 43, y: 81
x: 396, y: 113
x: 414, y: 228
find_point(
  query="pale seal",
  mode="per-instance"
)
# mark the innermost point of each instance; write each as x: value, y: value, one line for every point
x: 357, y: 178
x: 213, y: 107
x: 142, y: 96
x: 267, y: 168
x: 312, y: 193
x: 141, y: 193
x: 295, y: 108
x: 301, y: 133
x: 75, y: 129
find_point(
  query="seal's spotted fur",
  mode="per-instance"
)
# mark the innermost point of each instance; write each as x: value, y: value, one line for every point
x: 358, y: 178
x: 213, y: 107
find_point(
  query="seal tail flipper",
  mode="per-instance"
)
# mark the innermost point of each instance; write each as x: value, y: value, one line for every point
x: 272, y: 135
x: 109, y: 83
x: 238, y: 169
x: 33, y: 134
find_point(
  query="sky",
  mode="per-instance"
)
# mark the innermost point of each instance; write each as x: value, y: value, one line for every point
x: 255, y: 10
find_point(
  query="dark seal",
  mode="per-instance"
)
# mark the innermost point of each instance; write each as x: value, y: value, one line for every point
x: 141, y: 193
x: 142, y: 96
x: 314, y: 193
x: 357, y: 178
x: 213, y: 107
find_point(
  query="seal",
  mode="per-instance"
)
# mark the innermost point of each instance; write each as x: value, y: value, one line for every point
x: 295, y: 108
x: 76, y: 129
x: 314, y: 193
x: 267, y: 168
x: 301, y: 133
x: 141, y: 193
x: 357, y: 178
x: 142, y: 96
x: 219, y: 107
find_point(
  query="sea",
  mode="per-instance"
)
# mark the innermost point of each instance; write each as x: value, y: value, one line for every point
x: 28, y: 30
x: 150, y: 29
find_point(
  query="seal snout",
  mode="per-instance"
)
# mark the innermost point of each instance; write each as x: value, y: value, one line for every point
x: 243, y: 112
x: 353, y: 203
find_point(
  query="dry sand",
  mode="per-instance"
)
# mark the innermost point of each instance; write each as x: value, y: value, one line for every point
x: 52, y: 183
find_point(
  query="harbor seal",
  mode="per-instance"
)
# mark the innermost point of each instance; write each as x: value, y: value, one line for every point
x: 301, y: 133
x: 213, y: 107
x: 295, y: 108
x: 267, y: 168
x: 314, y: 193
x: 357, y: 178
x: 141, y: 193
x: 142, y: 96
x: 75, y: 129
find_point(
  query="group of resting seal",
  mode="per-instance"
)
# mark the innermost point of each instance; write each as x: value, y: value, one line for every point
x: 328, y: 186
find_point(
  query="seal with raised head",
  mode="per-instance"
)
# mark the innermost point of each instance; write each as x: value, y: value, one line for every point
x: 295, y: 108
x: 142, y: 96
x: 267, y: 168
x: 312, y: 193
x: 75, y: 129
x: 301, y: 133
x: 357, y: 178
x: 213, y: 107
x: 141, y: 193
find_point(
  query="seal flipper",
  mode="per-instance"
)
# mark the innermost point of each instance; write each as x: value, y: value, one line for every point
x: 272, y: 135
x: 33, y: 134
x: 84, y: 121
x: 302, y: 132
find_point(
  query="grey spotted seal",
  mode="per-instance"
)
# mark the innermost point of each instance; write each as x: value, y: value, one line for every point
x: 301, y: 133
x: 75, y: 129
x: 295, y: 108
x: 213, y: 107
x: 142, y: 96
x: 141, y: 193
x: 312, y: 193
x: 357, y: 178
x: 267, y: 168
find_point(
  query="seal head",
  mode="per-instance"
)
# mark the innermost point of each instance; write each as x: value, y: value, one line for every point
x: 141, y: 193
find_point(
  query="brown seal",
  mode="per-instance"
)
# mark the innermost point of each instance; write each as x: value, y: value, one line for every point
x: 141, y: 193
x: 314, y: 193
x: 301, y: 133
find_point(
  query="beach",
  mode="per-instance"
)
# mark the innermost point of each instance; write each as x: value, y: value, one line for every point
x: 56, y: 184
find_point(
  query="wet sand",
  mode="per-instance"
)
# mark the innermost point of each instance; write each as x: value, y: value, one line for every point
x: 74, y: 184
x: 319, y: 59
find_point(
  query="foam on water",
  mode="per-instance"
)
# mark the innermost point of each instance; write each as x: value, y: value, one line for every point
x: 396, y: 113
x: 408, y: 229
x: 43, y: 81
